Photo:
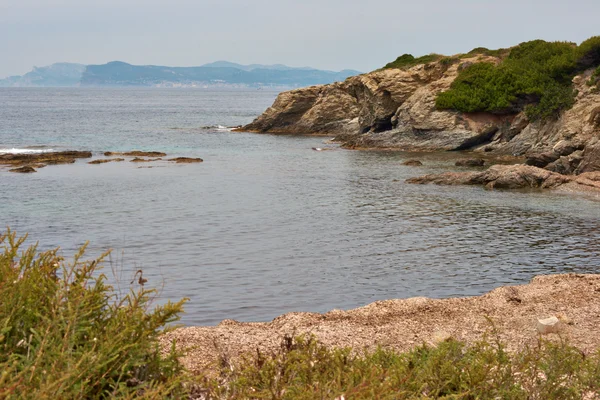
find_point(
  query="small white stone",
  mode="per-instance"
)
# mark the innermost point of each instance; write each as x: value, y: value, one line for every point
x: 548, y: 325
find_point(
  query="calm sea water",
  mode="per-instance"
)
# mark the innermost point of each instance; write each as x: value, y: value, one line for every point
x: 266, y: 225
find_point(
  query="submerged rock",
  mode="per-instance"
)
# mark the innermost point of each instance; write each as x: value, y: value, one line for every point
x: 23, y: 170
x: 412, y: 163
x: 107, y: 160
x: 52, y: 158
x: 186, y: 160
x: 136, y: 153
x: 138, y: 160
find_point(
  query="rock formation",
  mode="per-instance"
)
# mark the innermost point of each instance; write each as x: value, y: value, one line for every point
x: 395, y: 108
x: 515, y: 177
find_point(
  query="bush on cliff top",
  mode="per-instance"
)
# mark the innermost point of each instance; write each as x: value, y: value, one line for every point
x: 534, y: 77
x: 65, y: 334
x: 408, y: 60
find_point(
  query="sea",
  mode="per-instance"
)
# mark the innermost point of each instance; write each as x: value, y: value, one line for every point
x: 266, y: 224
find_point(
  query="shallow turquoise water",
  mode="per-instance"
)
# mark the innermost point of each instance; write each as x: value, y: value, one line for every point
x: 266, y: 225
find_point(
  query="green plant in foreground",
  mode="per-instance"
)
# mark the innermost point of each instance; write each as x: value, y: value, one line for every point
x: 65, y: 334
x: 305, y: 369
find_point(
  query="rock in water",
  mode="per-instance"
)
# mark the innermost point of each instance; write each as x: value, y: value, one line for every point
x: 107, y: 160
x: 23, y: 170
x: 499, y: 177
x: 548, y: 325
x: 412, y: 163
x: 186, y: 160
x: 51, y: 158
x: 138, y: 160
x: 136, y: 153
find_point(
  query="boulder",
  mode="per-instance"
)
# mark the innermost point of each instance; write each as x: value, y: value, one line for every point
x: 470, y: 162
x: 566, y: 165
x: 542, y: 159
x: 566, y: 147
x: 412, y: 163
x: 590, y: 158
x: 548, y: 325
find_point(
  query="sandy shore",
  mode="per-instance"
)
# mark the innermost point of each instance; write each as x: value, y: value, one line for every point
x: 402, y: 324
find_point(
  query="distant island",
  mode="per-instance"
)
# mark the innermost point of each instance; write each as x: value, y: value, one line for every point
x: 218, y: 74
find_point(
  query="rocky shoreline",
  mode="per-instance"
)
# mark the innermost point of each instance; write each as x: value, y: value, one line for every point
x: 516, y: 177
x: 395, y: 109
x: 514, y: 314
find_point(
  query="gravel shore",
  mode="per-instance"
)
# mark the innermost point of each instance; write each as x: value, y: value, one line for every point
x: 510, y: 312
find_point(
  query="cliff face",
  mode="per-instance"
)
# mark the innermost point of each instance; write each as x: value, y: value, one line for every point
x: 394, y: 108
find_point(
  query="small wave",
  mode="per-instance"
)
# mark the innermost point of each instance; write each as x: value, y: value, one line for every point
x: 25, y: 151
x: 218, y: 128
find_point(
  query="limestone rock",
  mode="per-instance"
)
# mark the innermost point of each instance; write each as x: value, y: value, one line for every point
x: 394, y: 108
x: 549, y: 325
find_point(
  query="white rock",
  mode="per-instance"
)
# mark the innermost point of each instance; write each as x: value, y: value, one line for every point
x: 548, y: 325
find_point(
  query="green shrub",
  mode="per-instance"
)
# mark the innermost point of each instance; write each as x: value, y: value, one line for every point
x: 64, y: 333
x: 589, y: 53
x: 487, y: 52
x: 305, y: 369
x: 535, y: 76
x: 594, y: 78
x: 406, y: 61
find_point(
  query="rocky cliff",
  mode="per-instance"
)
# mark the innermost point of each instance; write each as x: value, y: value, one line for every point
x: 395, y: 108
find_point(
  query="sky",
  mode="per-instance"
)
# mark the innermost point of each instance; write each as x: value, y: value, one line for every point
x: 325, y: 34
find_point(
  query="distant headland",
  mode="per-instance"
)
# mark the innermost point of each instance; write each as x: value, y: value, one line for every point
x: 218, y: 74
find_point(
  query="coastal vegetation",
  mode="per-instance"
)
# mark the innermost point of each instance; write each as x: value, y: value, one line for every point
x: 408, y: 60
x: 65, y: 333
x: 450, y: 369
x: 535, y: 77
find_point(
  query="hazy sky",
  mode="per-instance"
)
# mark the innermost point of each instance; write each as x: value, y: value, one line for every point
x: 328, y: 34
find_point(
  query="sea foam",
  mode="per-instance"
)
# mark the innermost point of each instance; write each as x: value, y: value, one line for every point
x: 24, y: 151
